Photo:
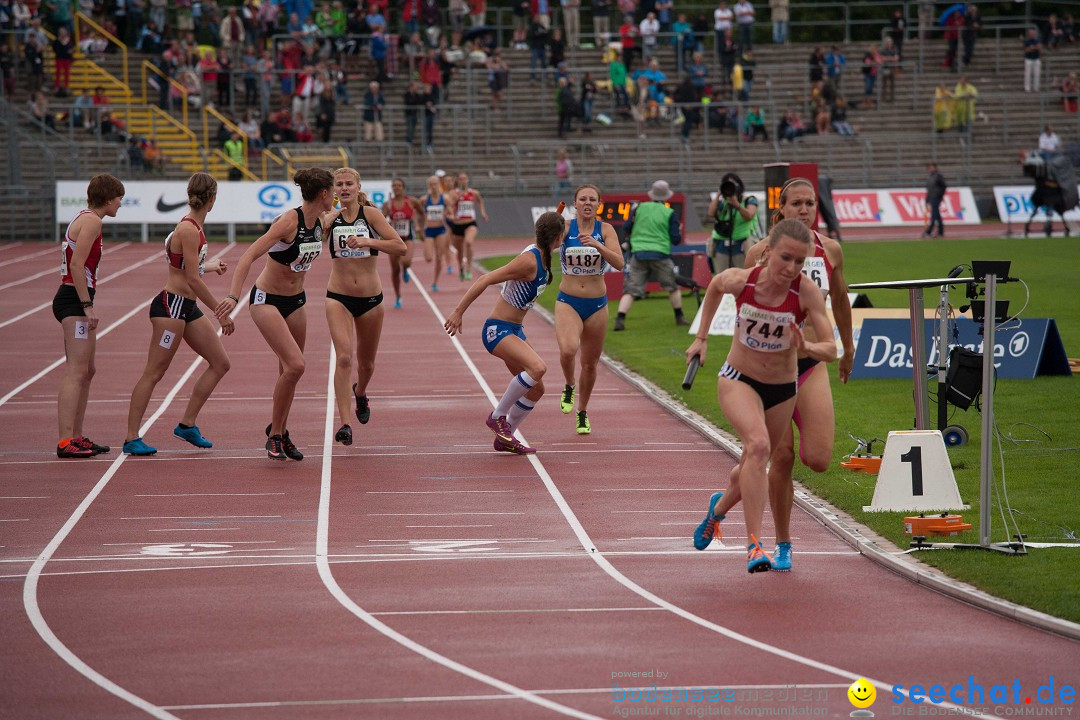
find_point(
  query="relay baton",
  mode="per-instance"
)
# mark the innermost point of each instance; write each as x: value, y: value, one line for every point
x: 691, y: 372
x: 562, y: 206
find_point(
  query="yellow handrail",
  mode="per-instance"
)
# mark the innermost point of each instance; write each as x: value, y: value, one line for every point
x: 340, y: 156
x: 111, y: 38
x: 233, y: 127
x: 232, y: 163
x: 267, y: 155
x: 147, y: 65
x: 169, y: 119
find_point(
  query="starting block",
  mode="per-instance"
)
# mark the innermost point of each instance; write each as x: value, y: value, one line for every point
x: 915, y: 475
x: 943, y: 524
x: 859, y: 461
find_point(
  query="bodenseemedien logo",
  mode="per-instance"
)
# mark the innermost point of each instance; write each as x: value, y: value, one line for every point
x: 862, y: 694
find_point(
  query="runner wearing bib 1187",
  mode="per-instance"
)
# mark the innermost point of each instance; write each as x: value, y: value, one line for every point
x: 757, y: 384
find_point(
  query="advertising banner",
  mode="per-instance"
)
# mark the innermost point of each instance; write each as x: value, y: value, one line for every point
x: 1014, y: 203
x: 165, y: 202
x: 900, y: 207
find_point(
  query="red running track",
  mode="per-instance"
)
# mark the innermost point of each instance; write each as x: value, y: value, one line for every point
x: 418, y: 573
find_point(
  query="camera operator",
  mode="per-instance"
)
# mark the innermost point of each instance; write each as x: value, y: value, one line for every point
x: 734, y: 220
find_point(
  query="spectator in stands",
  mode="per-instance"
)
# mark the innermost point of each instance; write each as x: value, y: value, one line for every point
x: 688, y: 99
x: 21, y: 16
x: 430, y: 112
x: 557, y: 48
x: 374, y: 102
x: 587, y: 101
x: 723, y: 21
x: 683, y: 40
x: 755, y: 124
x: 944, y: 109
x: 39, y: 108
x: 628, y: 33
x: 835, y: 62
x: 699, y: 74
x: 232, y: 35
x: 249, y: 65
x: 566, y: 105
x: 538, y: 42
x: 650, y: 33
x: 952, y: 38
x: 890, y: 66
x: 898, y: 30
x: 640, y: 109
x: 653, y: 228
x: 816, y: 64
x: 379, y: 51
x: 970, y: 31
x: 1068, y: 27
x: 63, y: 55
x: 265, y: 69
x: 791, y: 127
x: 1054, y: 34
x: 326, y: 114
x: 82, y: 113
x: 1032, y: 60
x: 564, y: 176
x: 617, y: 75
x: 729, y: 54
x: 413, y: 100
x: 7, y: 68
x: 250, y: 128
x: 838, y: 118
x: 35, y: 62
x: 601, y: 17
x: 267, y: 18
x: 744, y: 20
x: 1070, y: 88
x: 94, y: 45
x: 822, y: 117
x: 192, y: 88
x: 964, y: 95
x: 150, y: 41
x: 748, y: 64
x: 224, y: 78
x: 780, y: 13
x: 430, y: 72
x: 1049, y: 143
x: 498, y: 76
x: 663, y: 10
x: 302, y: 129
x: 571, y: 17
x: 305, y: 91
x: 234, y: 150
x: 935, y: 193
x: 871, y: 66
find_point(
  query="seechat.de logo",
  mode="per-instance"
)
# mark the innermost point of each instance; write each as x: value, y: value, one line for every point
x: 275, y: 196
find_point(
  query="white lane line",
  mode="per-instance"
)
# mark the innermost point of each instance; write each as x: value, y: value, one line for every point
x: 666, y: 489
x: 50, y: 271
x: 440, y: 514
x: 209, y: 494
x: 605, y: 565
x: 518, y: 611
x: 432, y: 492
x: 25, y: 497
x: 44, y: 305
x: 213, y: 529
x: 327, y: 575
x: 442, y: 526
x: 198, y: 517
x: 33, y: 575
x: 28, y: 520
x: 54, y: 248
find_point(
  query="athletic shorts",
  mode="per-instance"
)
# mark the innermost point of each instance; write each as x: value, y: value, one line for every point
x: 641, y: 272
x: 434, y: 232
x: 178, y: 307
x: 771, y: 394
x: 66, y: 303
x: 456, y: 229
x: 285, y: 304
x: 495, y: 330
x: 357, y: 306
x: 584, y: 307
x: 806, y: 364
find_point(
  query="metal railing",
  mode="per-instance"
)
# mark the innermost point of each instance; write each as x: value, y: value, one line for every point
x: 81, y: 19
x: 149, y: 69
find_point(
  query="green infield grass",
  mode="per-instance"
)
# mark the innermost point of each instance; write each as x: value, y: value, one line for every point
x: 1038, y: 419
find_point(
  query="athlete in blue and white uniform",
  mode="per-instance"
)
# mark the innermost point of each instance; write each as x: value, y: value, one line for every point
x: 436, y: 241
x: 175, y: 316
x: 524, y: 279
x: 356, y: 233
x: 581, y: 310
x: 292, y: 243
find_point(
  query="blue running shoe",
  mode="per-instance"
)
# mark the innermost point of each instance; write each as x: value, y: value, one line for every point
x: 405, y: 275
x: 782, y: 559
x: 757, y: 560
x: 709, y: 527
x: 192, y: 435
x: 434, y: 287
x: 449, y: 270
x: 397, y: 304
x: 138, y: 447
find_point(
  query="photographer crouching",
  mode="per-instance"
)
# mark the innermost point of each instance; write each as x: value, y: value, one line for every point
x: 734, y: 220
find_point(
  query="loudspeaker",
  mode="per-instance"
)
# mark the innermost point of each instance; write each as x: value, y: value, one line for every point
x: 963, y: 381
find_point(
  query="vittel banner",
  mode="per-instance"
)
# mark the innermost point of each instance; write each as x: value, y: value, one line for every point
x: 893, y: 207
x: 165, y: 202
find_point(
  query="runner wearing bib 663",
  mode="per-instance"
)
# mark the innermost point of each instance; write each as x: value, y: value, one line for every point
x: 73, y: 308
x: 757, y: 384
x: 356, y: 234
x: 292, y: 244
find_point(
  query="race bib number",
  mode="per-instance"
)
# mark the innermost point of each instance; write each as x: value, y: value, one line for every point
x: 63, y: 259
x: 435, y: 213
x: 403, y: 228
x: 583, y: 261
x: 259, y: 299
x: 492, y: 333
x: 340, y: 236
x: 202, y: 260
x: 466, y: 210
x: 815, y: 271
x: 167, y: 339
x: 308, y: 252
x: 82, y: 330
x: 764, y: 330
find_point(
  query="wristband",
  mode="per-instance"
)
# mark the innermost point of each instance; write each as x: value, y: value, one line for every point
x: 702, y: 339
x: 87, y: 303
x: 233, y: 298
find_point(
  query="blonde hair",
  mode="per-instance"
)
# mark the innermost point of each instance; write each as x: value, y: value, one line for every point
x: 778, y: 216
x: 792, y: 229
x: 363, y: 198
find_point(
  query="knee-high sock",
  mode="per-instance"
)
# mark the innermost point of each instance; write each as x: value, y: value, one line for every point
x: 519, y: 385
x: 519, y: 412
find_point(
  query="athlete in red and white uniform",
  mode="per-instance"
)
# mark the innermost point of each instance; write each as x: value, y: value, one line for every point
x: 757, y: 384
x: 464, y: 207
x: 404, y: 213
x: 73, y: 307
x: 175, y: 316
x: 814, y: 413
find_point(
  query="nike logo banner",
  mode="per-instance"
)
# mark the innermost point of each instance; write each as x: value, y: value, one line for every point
x: 165, y: 207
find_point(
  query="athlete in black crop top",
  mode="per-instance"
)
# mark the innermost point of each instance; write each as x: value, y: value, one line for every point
x: 293, y: 242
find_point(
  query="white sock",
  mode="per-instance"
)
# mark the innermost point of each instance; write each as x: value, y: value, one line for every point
x: 519, y: 385
x: 519, y: 412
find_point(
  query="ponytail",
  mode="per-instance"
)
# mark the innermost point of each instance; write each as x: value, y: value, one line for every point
x: 549, y: 229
